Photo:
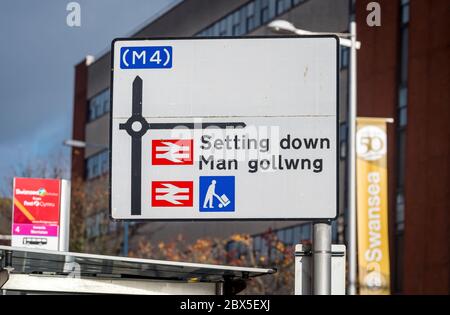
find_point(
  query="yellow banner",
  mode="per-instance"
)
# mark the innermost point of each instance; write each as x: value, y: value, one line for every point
x: 372, y: 206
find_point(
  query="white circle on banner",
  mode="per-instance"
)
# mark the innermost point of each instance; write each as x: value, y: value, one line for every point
x: 371, y: 143
x: 374, y: 280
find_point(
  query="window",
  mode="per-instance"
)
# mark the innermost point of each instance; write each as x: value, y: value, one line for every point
x: 287, y: 4
x: 264, y: 249
x: 306, y: 232
x: 223, y: 27
x: 400, y: 210
x: 257, y: 244
x: 89, y: 170
x: 404, y: 55
x: 97, y: 165
x: 345, y: 57
x: 401, y: 156
x: 236, y: 23
x: 99, y: 105
x: 402, y: 106
x: 104, y: 162
x: 405, y: 12
x: 250, y: 20
x: 206, y: 32
x: 289, y: 236
x: 280, y: 235
x: 215, y: 29
x: 282, y: 6
x: 248, y: 17
x: 402, y: 110
x: 265, y: 14
x: 297, y: 234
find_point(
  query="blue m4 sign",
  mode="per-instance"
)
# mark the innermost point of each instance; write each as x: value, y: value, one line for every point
x: 146, y: 57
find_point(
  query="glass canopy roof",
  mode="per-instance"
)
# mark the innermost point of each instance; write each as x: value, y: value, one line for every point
x: 37, y: 261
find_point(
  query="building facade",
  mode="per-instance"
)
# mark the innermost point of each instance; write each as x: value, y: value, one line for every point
x: 403, y: 73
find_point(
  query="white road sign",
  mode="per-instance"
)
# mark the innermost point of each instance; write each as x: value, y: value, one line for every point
x: 242, y: 128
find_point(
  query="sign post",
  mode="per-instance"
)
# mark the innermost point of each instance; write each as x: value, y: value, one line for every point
x: 227, y: 129
x: 64, y: 219
x: 322, y: 258
x: 41, y: 213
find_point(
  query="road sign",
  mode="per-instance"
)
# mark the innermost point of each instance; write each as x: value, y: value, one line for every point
x: 217, y: 193
x: 230, y: 128
x: 40, y: 213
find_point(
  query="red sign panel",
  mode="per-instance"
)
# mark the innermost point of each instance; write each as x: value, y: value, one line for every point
x: 172, y: 194
x: 36, y: 206
x: 172, y: 152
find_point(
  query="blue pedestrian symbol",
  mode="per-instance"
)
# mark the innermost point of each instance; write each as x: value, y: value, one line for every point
x: 216, y: 193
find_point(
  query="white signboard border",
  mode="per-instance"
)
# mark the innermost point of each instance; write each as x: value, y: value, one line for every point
x: 227, y: 219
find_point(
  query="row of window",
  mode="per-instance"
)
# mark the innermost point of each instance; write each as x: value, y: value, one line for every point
x: 239, y: 22
x: 289, y: 236
x: 260, y: 247
x: 98, y: 105
x: 249, y: 17
x: 402, y: 107
x: 97, y: 165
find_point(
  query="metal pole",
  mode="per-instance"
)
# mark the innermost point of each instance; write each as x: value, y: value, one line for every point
x: 64, y: 221
x: 220, y: 288
x: 351, y: 226
x: 322, y: 259
x: 125, y: 239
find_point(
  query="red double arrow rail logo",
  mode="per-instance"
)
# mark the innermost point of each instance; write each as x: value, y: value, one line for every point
x: 172, y: 152
x: 172, y: 193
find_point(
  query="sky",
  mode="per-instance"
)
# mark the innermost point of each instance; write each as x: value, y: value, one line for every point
x: 38, y: 52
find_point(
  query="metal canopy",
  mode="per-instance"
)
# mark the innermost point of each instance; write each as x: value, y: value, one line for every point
x: 36, y: 261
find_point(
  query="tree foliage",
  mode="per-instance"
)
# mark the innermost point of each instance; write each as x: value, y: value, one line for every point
x: 237, y: 250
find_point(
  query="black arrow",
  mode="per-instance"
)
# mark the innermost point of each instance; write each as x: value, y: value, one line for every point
x: 136, y: 134
x: 136, y: 126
